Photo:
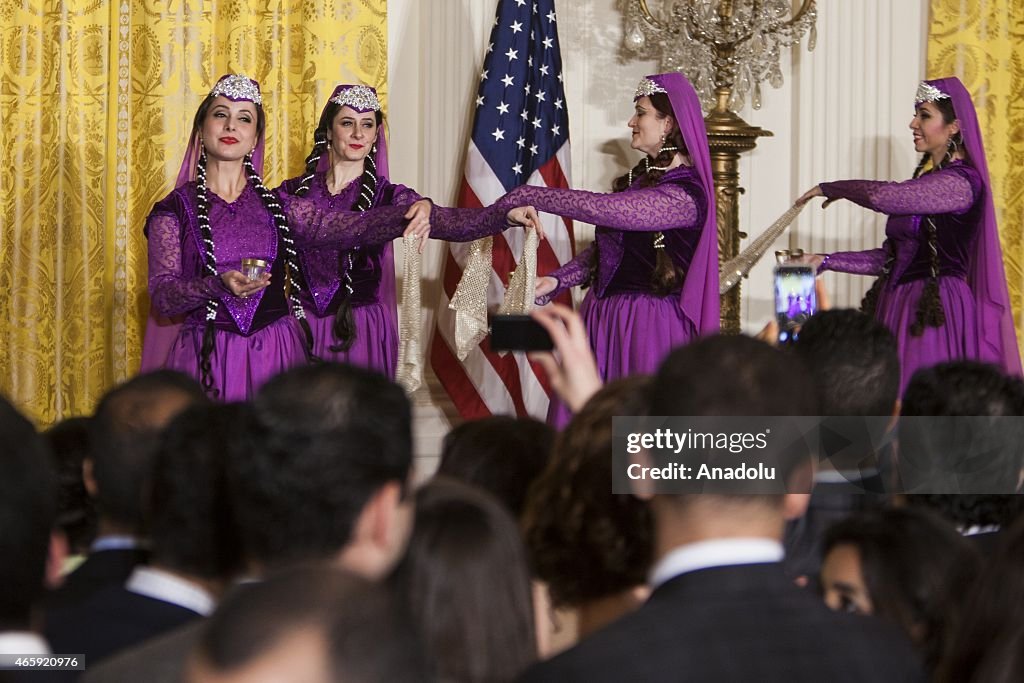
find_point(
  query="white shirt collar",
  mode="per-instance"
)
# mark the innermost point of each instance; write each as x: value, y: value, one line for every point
x: 22, y: 643
x: 723, y: 552
x: 161, y: 585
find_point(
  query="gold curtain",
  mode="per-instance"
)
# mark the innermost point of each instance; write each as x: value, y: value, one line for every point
x: 96, y: 104
x: 982, y: 43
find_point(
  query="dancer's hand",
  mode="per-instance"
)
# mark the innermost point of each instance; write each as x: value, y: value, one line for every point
x: 811, y: 194
x: 544, y: 285
x: 573, y: 371
x: 241, y: 286
x: 527, y: 217
x: 418, y: 216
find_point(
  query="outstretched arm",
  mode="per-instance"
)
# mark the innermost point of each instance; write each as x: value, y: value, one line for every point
x: 869, y: 262
x: 574, y: 273
x: 939, y: 192
x: 651, y: 209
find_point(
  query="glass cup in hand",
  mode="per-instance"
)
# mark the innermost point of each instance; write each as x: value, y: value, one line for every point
x: 253, y: 268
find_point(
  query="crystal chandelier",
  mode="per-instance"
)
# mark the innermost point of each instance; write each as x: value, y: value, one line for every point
x: 720, y: 44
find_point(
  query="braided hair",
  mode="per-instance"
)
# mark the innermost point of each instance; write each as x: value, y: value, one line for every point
x: 666, y: 276
x: 273, y: 206
x: 344, y: 329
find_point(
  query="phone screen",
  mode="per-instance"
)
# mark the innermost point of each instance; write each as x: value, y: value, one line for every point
x: 518, y: 333
x: 795, y: 299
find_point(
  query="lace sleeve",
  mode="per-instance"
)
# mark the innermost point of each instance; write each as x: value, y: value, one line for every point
x: 573, y: 274
x: 934, y: 193
x: 662, y: 207
x: 171, y: 291
x: 868, y: 262
x: 404, y: 196
x: 315, y: 226
x: 465, y: 225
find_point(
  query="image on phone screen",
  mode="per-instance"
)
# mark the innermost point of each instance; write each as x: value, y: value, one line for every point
x: 795, y: 299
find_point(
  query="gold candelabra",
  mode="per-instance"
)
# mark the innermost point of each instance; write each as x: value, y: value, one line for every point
x: 727, y: 48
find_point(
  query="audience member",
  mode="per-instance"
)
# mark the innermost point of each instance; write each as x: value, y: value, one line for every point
x: 592, y: 548
x: 124, y: 431
x: 465, y: 579
x: 76, y: 513
x: 721, y: 606
x: 28, y: 555
x: 315, y: 625
x: 192, y: 538
x: 500, y: 454
x: 904, y: 565
x: 856, y: 368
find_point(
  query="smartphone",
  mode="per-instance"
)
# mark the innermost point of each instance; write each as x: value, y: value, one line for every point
x: 519, y: 333
x: 795, y: 299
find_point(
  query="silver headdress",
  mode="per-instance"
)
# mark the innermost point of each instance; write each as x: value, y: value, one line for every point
x: 926, y: 92
x: 362, y: 98
x: 646, y: 88
x: 237, y: 87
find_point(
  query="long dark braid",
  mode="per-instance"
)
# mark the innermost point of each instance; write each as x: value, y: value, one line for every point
x: 284, y: 233
x: 344, y: 322
x: 210, y: 266
x: 319, y: 147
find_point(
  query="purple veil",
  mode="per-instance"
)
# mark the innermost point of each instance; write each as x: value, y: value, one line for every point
x: 387, y: 289
x: 161, y: 332
x: 987, y: 277
x: 699, y: 297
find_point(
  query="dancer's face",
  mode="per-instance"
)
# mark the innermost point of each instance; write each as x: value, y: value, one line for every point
x: 931, y: 132
x: 229, y: 129
x: 353, y: 134
x: 649, y: 126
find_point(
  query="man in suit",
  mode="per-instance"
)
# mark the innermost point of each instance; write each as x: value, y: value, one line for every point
x: 194, y: 550
x: 125, y: 428
x: 320, y: 476
x: 721, y: 607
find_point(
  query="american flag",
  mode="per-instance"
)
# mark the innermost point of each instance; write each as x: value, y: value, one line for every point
x: 520, y: 136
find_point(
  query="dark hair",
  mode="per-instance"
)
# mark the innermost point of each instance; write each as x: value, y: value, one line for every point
x: 191, y: 527
x: 585, y: 542
x: 990, y: 621
x: 124, y: 434
x: 464, y: 576
x: 666, y: 276
x: 855, y: 360
x: 929, y: 306
x: 966, y: 510
x: 368, y: 638
x: 27, y: 514
x: 502, y: 455
x: 983, y: 456
x: 292, y: 275
x: 323, y: 440
x: 76, y: 512
x: 344, y: 325
x: 911, y: 562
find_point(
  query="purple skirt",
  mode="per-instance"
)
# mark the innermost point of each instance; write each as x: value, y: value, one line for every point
x: 240, y: 365
x: 957, y: 339
x: 630, y: 334
x: 375, y: 346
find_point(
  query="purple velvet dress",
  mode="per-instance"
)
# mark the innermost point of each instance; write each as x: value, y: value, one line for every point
x: 951, y: 197
x: 631, y: 328
x: 256, y: 337
x: 374, y: 310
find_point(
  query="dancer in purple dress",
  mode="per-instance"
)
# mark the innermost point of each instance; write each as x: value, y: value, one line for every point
x: 653, y: 266
x: 941, y: 285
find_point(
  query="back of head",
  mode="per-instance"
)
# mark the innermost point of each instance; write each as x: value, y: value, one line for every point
x: 466, y: 581
x: 912, y: 562
x: 586, y: 542
x: 313, y: 623
x: 963, y: 431
x: 500, y: 454
x: 855, y: 361
x: 322, y: 440
x: 76, y: 511
x: 191, y: 528
x: 125, y: 430
x: 27, y: 515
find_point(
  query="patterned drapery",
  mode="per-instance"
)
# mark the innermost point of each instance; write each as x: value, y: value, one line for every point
x: 982, y: 43
x: 96, y: 103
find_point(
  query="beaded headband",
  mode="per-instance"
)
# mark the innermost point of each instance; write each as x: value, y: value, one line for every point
x: 646, y: 88
x: 926, y: 92
x: 237, y: 87
x: 362, y: 98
